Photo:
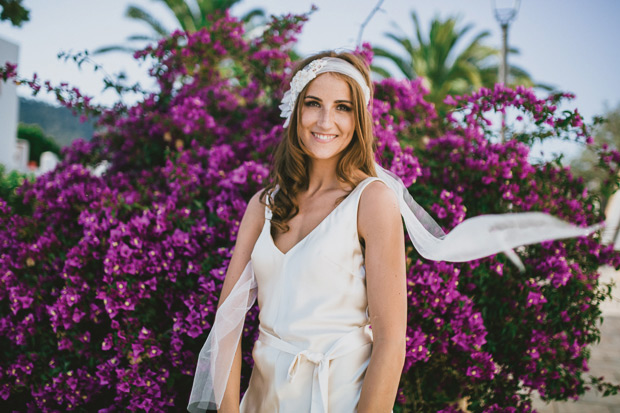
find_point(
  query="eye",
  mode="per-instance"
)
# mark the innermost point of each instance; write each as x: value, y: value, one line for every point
x: 344, y: 108
x: 312, y: 103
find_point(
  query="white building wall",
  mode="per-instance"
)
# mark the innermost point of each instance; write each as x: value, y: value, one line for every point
x: 9, y: 107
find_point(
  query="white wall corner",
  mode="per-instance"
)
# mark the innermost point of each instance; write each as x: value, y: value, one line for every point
x: 9, y: 109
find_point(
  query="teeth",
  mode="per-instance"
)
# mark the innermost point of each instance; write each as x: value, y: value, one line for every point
x: 324, y: 137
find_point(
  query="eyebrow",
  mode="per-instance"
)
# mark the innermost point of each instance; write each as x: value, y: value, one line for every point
x: 338, y: 101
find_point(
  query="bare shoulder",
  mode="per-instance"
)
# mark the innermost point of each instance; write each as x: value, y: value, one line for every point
x: 254, y: 215
x: 378, y: 208
x: 255, y: 206
x: 376, y: 197
x: 249, y: 231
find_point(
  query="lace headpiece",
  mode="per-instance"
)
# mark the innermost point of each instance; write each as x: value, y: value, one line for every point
x: 311, y: 71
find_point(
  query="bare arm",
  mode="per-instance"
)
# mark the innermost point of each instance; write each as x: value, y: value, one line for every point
x: 380, y: 226
x: 249, y: 230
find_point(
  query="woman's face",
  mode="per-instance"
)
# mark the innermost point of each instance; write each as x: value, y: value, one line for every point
x: 327, y: 117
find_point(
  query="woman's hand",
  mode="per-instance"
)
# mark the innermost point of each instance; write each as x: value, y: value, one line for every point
x: 381, y: 228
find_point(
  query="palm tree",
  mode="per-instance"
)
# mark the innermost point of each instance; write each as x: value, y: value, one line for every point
x: 13, y: 11
x: 190, y: 19
x: 445, y: 72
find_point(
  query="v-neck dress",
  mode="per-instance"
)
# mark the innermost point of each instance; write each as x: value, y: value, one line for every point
x: 314, y: 343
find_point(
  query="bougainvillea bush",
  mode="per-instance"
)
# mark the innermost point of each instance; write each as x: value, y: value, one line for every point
x: 111, y: 275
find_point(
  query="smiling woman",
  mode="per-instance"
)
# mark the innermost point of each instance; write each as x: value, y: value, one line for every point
x: 327, y: 120
x: 325, y: 245
x: 316, y: 328
x: 322, y: 250
x: 342, y: 81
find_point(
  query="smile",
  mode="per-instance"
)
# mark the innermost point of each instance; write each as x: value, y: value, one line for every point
x: 324, y: 138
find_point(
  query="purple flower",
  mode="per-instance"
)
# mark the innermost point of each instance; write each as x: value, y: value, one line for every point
x: 534, y: 299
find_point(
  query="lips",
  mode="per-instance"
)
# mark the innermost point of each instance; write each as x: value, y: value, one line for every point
x: 323, y: 138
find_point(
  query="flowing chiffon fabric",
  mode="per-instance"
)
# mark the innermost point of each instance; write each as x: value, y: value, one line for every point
x: 474, y: 238
x: 218, y: 352
x: 479, y: 236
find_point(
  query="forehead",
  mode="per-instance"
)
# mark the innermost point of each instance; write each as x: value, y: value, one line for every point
x: 329, y: 85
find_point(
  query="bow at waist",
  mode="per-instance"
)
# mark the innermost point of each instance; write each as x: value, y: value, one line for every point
x: 320, y: 382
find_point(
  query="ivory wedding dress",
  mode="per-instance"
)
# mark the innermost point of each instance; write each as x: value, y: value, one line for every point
x: 314, y: 344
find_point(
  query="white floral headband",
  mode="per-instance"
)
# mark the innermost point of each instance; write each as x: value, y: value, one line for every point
x: 312, y: 70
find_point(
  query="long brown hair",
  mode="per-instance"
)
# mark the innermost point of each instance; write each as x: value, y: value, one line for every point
x: 290, y: 169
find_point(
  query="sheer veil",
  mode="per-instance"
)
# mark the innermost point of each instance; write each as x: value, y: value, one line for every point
x: 479, y: 236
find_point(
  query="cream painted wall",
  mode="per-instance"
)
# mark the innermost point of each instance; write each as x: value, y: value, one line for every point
x: 9, y: 107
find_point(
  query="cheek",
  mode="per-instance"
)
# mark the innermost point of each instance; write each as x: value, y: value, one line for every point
x: 348, y: 124
x: 307, y: 117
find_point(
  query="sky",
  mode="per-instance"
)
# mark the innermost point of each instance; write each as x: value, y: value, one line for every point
x: 570, y: 44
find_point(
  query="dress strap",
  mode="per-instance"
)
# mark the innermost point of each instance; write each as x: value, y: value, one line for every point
x: 268, y: 213
x: 359, y: 189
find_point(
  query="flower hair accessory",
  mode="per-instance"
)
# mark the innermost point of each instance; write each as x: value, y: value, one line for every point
x: 311, y: 71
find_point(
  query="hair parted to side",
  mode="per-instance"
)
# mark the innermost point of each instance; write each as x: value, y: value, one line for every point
x: 290, y: 169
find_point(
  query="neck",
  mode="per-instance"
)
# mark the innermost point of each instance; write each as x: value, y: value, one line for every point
x: 322, y: 175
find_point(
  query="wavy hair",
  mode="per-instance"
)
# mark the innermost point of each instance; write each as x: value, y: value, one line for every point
x: 290, y: 168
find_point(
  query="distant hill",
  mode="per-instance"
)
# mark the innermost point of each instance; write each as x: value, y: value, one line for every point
x: 56, y: 121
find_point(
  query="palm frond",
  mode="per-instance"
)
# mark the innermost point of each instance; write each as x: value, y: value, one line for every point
x: 142, y: 38
x: 254, y: 13
x: 137, y: 13
x: 184, y: 14
x: 545, y: 86
x: 404, y: 42
x: 108, y: 49
x: 404, y: 65
x: 384, y: 73
x: 416, y: 28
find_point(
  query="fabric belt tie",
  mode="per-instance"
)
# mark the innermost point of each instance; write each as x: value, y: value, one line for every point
x: 348, y: 343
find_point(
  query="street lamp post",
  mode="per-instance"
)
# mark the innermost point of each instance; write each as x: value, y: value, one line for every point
x: 505, y: 12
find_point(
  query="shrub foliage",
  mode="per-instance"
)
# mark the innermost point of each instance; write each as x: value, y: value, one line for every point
x: 110, y: 280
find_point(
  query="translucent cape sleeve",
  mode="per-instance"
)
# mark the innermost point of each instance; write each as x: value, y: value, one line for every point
x: 479, y: 236
x: 216, y: 357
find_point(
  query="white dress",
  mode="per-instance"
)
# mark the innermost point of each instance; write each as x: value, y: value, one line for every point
x: 314, y: 344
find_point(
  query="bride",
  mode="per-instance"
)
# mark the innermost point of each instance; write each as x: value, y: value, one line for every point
x: 322, y: 250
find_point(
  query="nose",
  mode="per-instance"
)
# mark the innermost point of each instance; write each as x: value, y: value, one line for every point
x: 326, y: 119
